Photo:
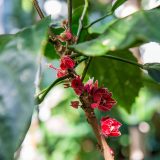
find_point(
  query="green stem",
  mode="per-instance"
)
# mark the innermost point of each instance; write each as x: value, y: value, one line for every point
x: 123, y: 60
x: 46, y: 91
x: 92, y: 23
x: 80, y: 27
x: 69, y: 14
x: 86, y: 68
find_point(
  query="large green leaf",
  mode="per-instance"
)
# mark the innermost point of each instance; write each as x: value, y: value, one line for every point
x: 133, y: 30
x: 102, y: 25
x: 17, y: 74
x: 124, y: 80
x: 50, y: 51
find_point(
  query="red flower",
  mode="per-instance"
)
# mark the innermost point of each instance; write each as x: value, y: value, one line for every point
x: 90, y: 86
x: 77, y: 85
x: 61, y: 73
x: 110, y: 127
x: 75, y: 104
x: 65, y: 36
x: 66, y: 63
x: 102, y: 99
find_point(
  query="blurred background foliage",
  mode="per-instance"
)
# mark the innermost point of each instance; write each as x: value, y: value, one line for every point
x: 59, y: 132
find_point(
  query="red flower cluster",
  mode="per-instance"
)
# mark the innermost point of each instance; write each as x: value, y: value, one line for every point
x: 110, y: 127
x: 65, y: 63
x: 101, y: 98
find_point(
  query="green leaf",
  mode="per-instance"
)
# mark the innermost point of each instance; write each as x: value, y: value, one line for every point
x: 28, y: 39
x: 17, y: 63
x: 57, y: 31
x: 102, y: 25
x: 50, y: 52
x: 124, y: 80
x: 131, y: 31
x: 153, y: 70
x: 117, y: 4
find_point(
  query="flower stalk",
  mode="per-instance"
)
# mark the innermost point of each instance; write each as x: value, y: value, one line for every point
x: 92, y: 120
x: 90, y: 95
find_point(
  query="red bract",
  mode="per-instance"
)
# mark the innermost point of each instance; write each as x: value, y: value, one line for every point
x: 75, y: 104
x: 77, y: 85
x: 66, y: 63
x: 110, y: 127
x: 102, y: 99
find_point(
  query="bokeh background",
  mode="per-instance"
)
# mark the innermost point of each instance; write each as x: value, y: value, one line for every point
x: 59, y: 132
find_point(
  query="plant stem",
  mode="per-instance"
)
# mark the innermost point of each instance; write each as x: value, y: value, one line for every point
x: 36, y: 5
x: 69, y: 14
x: 92, y: 120
x: 46, y: 91
x: 123, y: 60
x: 86, y: 68
x: 92, y: 23
x: 80, y: 27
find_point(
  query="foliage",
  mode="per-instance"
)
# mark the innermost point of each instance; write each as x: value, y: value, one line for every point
x: 124, y: 33
x: 117, y: 78
x: 17, y: 76
x: 107, y: 47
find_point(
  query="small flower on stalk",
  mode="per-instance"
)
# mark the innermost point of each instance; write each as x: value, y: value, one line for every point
x: 77, y: 85
x: 66, y: 63
x: 65, y: 36
x: 75, y: 104
x: 110, y: 127
x: 102, y: 99
x: 60, y: 72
